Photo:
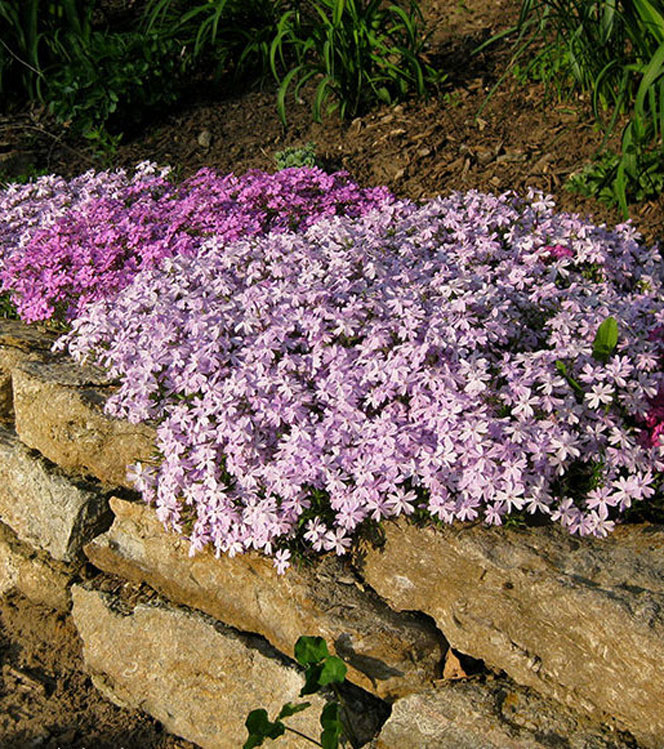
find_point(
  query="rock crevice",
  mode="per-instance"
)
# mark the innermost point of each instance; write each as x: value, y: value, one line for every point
x: 571, y: 631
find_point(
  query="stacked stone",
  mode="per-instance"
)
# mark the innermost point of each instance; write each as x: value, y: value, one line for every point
x: 570, y: 632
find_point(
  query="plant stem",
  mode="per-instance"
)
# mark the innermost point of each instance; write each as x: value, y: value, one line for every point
x: 303, y: 735
x: 58, y: 139
x: 23, y: 62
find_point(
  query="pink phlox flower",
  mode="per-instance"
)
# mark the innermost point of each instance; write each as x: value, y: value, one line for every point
x: 558, y: 251
x: 282, y: 560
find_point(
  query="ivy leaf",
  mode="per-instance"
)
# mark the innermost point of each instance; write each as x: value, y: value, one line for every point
x: 312, y: 677
x: 310, y: 650
x: 332, y: 726
x: 334, y: 671
x: 290, y: 708
x: 260, y: 727
x: 606, y: 339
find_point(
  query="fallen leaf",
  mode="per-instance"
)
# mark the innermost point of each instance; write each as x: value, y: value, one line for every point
x: 453, y: 668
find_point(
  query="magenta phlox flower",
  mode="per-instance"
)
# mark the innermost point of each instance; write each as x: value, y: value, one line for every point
x: 558, y: 251
x: 67, y: 244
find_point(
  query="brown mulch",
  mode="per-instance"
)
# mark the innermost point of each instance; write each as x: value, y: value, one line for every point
x: 522, y: 136
x: 519, y: 137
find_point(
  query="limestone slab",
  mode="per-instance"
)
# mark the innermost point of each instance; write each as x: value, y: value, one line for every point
x: 44, y: 507
x: 19, y: 343
x: 59, y: 411
x: 492, y: 715
x: 580, y: 620
x: 19, y: 335
x: 198, y: 679
x: 37, y: 577
x: 387, y: 653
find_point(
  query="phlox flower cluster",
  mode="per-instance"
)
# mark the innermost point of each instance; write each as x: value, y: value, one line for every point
x: 66, y: 244
x: 434, y: 358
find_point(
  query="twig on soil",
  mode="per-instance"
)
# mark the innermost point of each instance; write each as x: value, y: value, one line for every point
x: 58, y: 139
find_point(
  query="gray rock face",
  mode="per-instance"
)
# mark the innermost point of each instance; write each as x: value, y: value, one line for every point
x: 43, y: 506
x: 580, y: 620
x: 495, y: 715
x: 36, y: 576
x: 387, y: 653
x: 58, y: 411
x: 199, y: 680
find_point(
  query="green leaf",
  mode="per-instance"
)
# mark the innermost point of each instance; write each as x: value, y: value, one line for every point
x: 291, y: 708
x: 283, y: 88
x: 311, y: 679
x: 334, y: 671
x: 330, y: 714
x: 332, y: 726
x: 252, y: 741
x: 310, y: 650
x: 653, y: 19
x: 606, y: 339
x: 260, y: 727
x: 562, y: 369
x: 338, y: 11
x: 384, y: 95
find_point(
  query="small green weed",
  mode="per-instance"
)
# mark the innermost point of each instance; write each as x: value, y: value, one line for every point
x: 322, y: 671
x: 7, y: 308
x: 27, y: 174
x: 295, y: 156
x: 113, y: 79
x: 597, y: 179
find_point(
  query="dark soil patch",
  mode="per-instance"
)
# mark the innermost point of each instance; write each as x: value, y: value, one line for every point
x: 522, y: 138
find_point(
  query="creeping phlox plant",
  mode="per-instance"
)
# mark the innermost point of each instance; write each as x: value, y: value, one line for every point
x: 67, y: 244
x: 467, y: 359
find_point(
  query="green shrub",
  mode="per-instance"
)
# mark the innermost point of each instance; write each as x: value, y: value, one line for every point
x: 598, y: 178
x: 108, y: 80
x: 27, y: 30
x: 359, y: 52
x: 92, y: 78
x: 230, y: 36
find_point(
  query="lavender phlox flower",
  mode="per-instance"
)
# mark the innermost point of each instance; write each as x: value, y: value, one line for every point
x: 421, y: 358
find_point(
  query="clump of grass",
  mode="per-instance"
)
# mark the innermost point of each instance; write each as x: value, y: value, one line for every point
x: 614, y: 51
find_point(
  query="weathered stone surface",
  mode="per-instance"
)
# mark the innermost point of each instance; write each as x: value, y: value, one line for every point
x: 388, y: 653
x: 581, y: 620
x: 58, y: 411
x: 40, y: 579
x: 19, y: 343
x: 200, y: 680
x: 495, y: 715
x: 17, y: 334
x: 44, y: 507
x: 10, y: 358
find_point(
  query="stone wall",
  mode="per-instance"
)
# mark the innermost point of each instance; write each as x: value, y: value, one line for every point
x: 467, y: 637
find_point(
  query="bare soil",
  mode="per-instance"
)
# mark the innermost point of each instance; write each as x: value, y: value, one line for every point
x: 522, y: 136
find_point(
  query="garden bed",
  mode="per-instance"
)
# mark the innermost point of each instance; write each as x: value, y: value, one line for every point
x: 521, y: 139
